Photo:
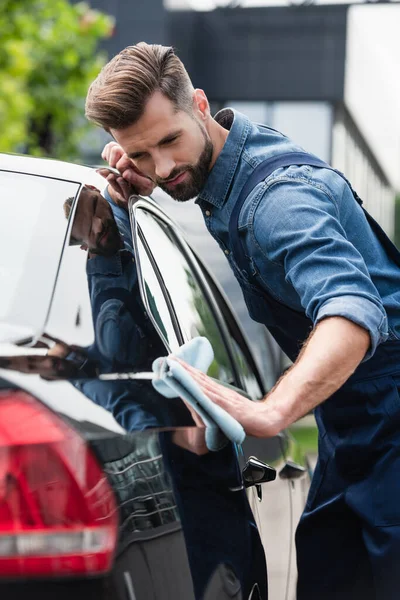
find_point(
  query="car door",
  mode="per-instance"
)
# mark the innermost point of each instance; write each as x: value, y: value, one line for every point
x: 196, y: 313
x: 202, y: 310
x: 185, y: 286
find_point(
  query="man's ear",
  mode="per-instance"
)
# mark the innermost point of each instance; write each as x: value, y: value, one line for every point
x: 201, y: 105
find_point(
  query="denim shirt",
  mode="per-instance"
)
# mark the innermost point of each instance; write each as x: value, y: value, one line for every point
x: 118, y: 336
x: 308, y: 243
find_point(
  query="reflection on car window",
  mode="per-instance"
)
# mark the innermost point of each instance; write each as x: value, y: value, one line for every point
x: 33, y: 226
x: 192, y: 309
x: 156, y: 302
x: 249, y: 379
x: 241, y: 351
x: 125, y: 337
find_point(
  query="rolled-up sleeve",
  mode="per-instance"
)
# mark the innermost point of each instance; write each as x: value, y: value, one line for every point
x: 296, y: 225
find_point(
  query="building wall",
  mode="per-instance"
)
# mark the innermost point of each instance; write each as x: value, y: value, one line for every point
x: 258, y: 54
x: 372, y: 85
x: 352, y: 156
x: 309, y: 124
x: 135, y: 21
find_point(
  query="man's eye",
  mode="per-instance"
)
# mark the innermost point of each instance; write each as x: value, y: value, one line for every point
x: 170, y: 140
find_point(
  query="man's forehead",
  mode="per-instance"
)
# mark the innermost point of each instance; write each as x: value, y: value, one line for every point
x: 159, y: 119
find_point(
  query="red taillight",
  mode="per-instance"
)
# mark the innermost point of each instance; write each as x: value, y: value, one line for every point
x: 58, y: 514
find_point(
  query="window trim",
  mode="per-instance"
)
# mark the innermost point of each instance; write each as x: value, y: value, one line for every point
x: 137, y: 235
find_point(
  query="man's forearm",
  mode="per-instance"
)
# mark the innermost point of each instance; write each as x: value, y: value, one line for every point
x: 332, y: 353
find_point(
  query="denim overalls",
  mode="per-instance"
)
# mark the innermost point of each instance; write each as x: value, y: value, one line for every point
x: 348, y: 539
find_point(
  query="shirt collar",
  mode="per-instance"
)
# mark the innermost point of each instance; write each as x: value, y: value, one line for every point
x: 220, y: 178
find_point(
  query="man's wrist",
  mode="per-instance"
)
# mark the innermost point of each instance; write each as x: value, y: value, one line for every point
x: 274, y: 416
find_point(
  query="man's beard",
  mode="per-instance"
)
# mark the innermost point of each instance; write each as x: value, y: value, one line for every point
x: 112, y: 243
x: 196, y: 176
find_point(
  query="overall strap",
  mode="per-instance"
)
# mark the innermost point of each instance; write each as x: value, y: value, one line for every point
x: 264, y: 170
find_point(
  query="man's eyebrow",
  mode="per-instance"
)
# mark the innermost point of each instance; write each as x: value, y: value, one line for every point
x: 166, y: 138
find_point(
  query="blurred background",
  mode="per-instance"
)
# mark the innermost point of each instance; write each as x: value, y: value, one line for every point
x: 325, y: 73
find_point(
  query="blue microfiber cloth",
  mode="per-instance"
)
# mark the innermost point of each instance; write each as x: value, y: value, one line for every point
x: 173, y: 381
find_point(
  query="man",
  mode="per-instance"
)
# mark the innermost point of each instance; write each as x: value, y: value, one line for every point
x: 311, y: 268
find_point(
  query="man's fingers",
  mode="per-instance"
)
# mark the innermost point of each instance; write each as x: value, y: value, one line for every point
x: 142, y: 184
x: 104, y: 172
x: 115, y: 155
x: 117, y: 158
x: 125, y: 187
x: 114, y: 183
x: 108, y: 152
x: 124, y: 163
x: 192, y: 370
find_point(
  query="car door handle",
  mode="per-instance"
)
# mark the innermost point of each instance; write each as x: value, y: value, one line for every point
x: 292, y: 470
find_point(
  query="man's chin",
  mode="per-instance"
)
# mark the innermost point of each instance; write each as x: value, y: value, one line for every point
x: 183, y: 195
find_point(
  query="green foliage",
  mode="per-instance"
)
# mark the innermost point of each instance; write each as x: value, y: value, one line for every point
x: 48, y: 59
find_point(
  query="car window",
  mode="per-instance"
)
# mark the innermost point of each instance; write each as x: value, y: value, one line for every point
x: 155, y: 301
x: 32, y: 234
x: 250, y: 378
x: 192, y: 309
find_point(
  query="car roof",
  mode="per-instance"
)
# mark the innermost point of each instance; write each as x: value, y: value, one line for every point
x: 48, y: 167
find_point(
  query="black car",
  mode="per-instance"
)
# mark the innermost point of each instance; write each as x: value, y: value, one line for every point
x: 107, y: 489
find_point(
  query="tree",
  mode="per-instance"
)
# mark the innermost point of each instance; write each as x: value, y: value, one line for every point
x: 48, y: 58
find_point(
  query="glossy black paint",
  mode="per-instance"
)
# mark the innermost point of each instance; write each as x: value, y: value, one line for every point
x: 186, y: 529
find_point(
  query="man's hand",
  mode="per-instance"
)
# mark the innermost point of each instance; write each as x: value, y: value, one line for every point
x: 131, y: 181
x: 332, y: 353
x: 257, y: 418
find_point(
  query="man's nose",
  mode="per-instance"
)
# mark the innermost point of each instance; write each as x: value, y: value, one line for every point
x: 164, y: 166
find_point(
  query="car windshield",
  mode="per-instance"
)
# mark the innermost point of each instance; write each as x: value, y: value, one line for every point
x: 32, y: 233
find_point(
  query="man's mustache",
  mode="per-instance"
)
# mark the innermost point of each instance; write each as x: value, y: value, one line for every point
x: 173, y: 175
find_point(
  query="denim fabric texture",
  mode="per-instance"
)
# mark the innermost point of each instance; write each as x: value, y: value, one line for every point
x: 118, y: 334
x: 308, y: 243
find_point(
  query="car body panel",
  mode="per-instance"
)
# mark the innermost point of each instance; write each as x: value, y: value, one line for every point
x: 186, y: 529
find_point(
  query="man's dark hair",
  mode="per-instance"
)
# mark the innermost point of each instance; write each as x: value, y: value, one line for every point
x: 118, y: 96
